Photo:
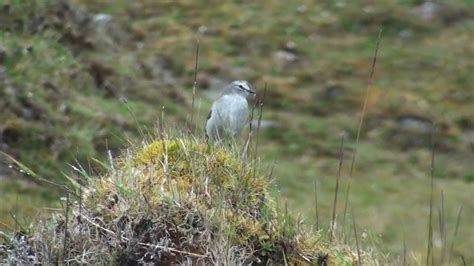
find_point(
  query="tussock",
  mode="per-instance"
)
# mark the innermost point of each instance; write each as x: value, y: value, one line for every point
x: 176, y: 200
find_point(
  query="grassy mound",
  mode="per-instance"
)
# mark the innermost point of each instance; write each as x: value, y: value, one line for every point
x: 176, y: 201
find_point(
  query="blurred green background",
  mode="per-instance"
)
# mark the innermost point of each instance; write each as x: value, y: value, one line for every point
x: 79, y: 78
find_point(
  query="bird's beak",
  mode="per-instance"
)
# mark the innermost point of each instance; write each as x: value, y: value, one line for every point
x: 252, y: 90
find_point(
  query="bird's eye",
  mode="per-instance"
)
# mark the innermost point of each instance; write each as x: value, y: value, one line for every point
x: 242, y: 87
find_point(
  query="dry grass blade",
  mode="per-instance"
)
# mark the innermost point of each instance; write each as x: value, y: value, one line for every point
x: 454, y: 235
x: 260, y: 115
x: 364, y: 107
x: 252, y: 114
x: 14, y: 216
x: 23, y: 169
x: 357, y: 239
x: 194, y: 83
x: 341, y: 158
x: 442, y: 228
x: 285, y: 260
x: 129, y: 109
x: 161, y: 124
x: 65, y: 250
x: 249, y: 135
x: 404, y: 250
x: 346, y: 203
x: 430, y: 255
x: 316, y: 202
x: 361, y: 121
x: 144, y: 244
x: 80, y: 202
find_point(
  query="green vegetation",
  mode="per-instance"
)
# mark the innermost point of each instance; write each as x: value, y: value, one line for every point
x: 64, y: 75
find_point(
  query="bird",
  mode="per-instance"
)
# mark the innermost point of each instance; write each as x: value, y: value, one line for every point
x: 229, y: 113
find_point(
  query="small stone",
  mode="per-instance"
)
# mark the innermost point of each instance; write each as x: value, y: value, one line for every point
x: 427, y: 11
x: 202, y: 29
x: 264, y: 124
x: 416, y: 124
x: 103, y: 18
x: 340, y: 4
x: 285, y: 57
x: 405, y: 34
x: 302, y: 8
x: 291, y: 45
x: 333, y: 91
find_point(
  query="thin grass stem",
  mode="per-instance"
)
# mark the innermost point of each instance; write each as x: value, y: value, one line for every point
x: 316, y: 202
x: 430, y: 255
x: 64, y: 254
x: 334, y: 207
x: 194, y: 82
x: 361, y: 121
x: 455, y: 235
x: 359, y: 262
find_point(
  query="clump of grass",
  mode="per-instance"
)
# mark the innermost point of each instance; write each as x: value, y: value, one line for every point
x: 175, y: 200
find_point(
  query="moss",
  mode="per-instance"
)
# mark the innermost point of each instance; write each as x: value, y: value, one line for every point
x: 156, y: 152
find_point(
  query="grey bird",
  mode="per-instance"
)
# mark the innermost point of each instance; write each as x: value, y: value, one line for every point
x: 230, y: 112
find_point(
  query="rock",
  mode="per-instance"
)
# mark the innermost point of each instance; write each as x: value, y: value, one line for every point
x: 405, y: 34
x: 408, y: 132
x: 163, y: 70
x: 428, y: 11
x: 264, y: 124
x: 332, y: 91
x: 202, y: 29
x: 467, y: 136
x: 10, y: 135
x: 102, y: 18
x: 284, y: 57
x: 415, y: 124
x: 291, y: 46
x: 302, y: 8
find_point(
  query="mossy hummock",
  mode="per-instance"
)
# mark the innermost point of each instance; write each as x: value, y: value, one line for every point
x: 178, y: 201
x: 176, y: 178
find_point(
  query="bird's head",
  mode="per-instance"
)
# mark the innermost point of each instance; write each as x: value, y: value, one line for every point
x: 240, y: 87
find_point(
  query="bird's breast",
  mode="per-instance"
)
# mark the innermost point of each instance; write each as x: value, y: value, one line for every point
x: 232, y: 104
x: 231, y: 109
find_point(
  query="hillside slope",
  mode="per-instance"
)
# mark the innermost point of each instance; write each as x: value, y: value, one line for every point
x: 80, y: 78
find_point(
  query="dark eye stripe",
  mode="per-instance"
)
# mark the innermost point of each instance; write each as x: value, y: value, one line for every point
x: 245, y: 89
